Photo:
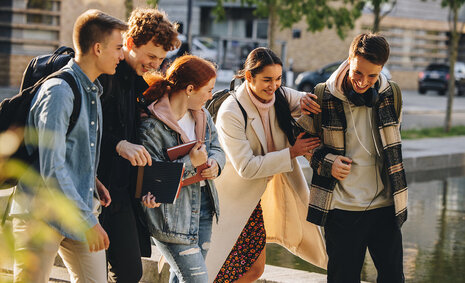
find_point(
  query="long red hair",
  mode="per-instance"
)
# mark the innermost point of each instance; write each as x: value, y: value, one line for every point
x: 184, y: 71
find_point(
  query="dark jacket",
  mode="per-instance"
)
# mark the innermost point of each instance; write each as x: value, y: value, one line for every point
x: 120, y: 122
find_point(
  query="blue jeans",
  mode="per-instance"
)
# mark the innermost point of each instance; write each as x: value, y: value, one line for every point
x: 187, y: 262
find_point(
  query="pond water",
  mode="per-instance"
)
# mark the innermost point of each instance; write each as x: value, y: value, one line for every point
x: 433, y: 236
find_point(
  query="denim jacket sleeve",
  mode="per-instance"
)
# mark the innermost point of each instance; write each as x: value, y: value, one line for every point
x: 155, y: 136
x: 51, y: 114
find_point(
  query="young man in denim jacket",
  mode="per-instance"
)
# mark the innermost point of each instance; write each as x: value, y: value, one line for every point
x: 69, y: 161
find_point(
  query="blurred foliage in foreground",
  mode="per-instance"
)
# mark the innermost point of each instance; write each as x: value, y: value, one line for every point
x: 48, y: 205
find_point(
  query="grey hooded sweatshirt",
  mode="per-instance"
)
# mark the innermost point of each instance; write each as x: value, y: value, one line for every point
x: 366, y: 187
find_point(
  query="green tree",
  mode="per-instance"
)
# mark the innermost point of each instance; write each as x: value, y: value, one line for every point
x: 129, y: 5
x: 379, y: 9
x: 455, y: 30
x: 318, y: 14
x: 152, y: 3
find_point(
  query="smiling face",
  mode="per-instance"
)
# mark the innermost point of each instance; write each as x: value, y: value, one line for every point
x: 265, y: 83
x: 197, y: 98
x: 144, y: 58
x: 362, y: 73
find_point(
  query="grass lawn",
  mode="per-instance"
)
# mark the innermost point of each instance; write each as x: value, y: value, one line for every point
x: 432, y: 133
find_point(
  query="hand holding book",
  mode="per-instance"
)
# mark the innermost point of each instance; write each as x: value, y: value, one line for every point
x: 198, y: 156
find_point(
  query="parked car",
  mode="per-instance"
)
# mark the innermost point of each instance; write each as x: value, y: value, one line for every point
x: 203, y: 47
x: 307, y: 81
x: 436, y: 77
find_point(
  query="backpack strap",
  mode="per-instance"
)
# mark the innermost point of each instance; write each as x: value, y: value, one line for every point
x: 319, y: 92
x: 397, y: 97
x: 67, y: 77
x: 243, y: 113
x: 72, y: 121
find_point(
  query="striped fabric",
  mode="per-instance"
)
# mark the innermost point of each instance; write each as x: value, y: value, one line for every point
x: 333, y: 135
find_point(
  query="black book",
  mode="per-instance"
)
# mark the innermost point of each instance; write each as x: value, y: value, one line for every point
x: 162, y: 179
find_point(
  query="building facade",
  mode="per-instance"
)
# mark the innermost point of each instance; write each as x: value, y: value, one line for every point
x: 33, y: 27
x: 416, y: 30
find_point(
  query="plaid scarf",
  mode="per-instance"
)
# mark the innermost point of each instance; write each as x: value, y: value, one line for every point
x: 334, y: 125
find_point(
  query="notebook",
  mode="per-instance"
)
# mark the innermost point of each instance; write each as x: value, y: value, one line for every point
x: 162, y: 179
x: 176, y: 152
x: 181, y: 150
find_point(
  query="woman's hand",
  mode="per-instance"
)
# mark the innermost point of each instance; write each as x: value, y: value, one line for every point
x: 212, y: 171
x: 149, y: 201
x: 198, y: 154
x: 303, y: 146
x: 341, y: 167
x: 308, y: 104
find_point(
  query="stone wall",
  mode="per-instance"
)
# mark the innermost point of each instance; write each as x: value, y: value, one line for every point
x: 4, y: 71
x: 314, y: 50
x: 407, y: 80
x: 17, y: 69
x: 71, y: 9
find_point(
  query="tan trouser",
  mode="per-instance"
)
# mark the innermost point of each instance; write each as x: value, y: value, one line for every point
x: 34, y: 263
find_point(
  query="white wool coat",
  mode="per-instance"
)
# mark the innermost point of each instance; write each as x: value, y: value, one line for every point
x: 248, y: 172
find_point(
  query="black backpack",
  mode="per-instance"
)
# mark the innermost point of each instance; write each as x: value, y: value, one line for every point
x: 213, y: 105
x: 14, y: 111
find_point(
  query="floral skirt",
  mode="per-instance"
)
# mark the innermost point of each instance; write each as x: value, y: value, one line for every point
x: 247, y: 249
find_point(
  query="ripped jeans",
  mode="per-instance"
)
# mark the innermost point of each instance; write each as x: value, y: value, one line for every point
x: 187, y: 262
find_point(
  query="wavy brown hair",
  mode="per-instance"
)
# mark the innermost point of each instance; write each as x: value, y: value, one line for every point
x: 184, y: 71
x: 152, y: 25
x: 373, y: 47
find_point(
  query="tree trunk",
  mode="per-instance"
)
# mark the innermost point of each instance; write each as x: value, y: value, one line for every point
x: 454, y: 42
x: 272, y: 25
x: 377, y: 16
x: 129, y: 6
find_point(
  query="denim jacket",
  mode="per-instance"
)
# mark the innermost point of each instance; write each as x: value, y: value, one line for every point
x: 179, y: 222
x: 69, y: 161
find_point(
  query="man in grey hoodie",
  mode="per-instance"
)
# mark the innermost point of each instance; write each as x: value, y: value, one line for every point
x: 359, y: 190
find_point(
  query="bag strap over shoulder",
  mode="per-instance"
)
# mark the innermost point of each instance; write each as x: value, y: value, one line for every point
x: 397, y: 97
x: 67, y: 77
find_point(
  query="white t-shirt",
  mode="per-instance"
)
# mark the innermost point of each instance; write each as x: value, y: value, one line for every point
x: 187, y: 124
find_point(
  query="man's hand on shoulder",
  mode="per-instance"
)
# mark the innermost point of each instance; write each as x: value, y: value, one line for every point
x: 135, y: 153
x: 97, y: 238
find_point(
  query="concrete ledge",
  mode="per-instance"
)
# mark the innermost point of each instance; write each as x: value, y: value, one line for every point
x: 273, y: 274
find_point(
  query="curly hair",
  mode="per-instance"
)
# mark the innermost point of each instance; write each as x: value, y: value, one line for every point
x: 152, y: 24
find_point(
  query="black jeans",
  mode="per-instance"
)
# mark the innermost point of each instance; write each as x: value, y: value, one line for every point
x: 123, y: 254
x: 349, y: 233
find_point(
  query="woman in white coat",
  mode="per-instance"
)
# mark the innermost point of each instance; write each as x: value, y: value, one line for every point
x: 262, y: 190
